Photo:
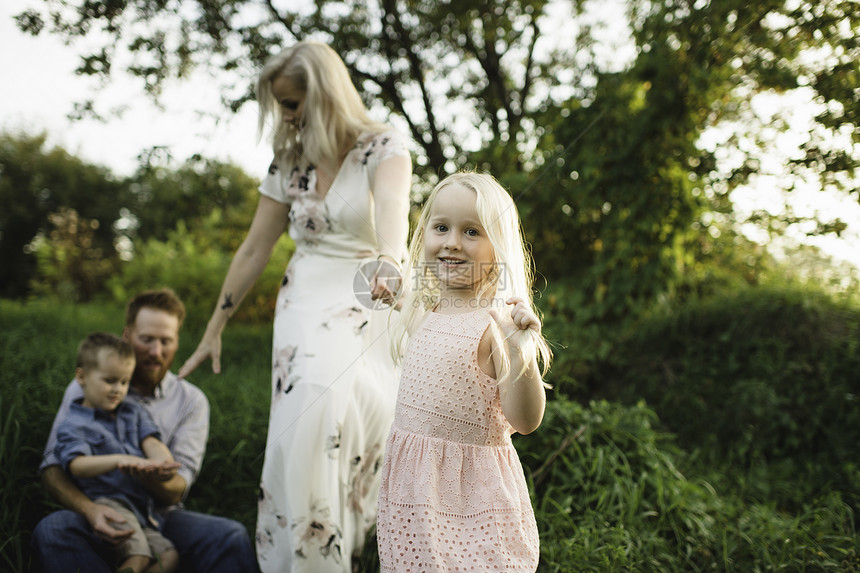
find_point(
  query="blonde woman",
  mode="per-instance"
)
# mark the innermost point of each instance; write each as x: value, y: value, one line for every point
x: 453, y: 494
x: 340, y: 183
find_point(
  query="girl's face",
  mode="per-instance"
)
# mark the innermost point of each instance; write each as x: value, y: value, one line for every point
x: 456, y: 246
x: 290, y: 98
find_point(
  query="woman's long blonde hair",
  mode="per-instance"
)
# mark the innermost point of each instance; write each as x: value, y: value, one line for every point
x: 334, y: 114
x: 512, y: 274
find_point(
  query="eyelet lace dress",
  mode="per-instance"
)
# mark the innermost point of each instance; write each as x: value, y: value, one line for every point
x: 453, y: 495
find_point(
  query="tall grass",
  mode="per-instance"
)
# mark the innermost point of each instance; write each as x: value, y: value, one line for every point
x: 612, y: 489
x: 38, y: 341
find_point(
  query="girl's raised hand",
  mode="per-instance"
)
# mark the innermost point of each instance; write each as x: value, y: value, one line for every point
x: 522, y: 319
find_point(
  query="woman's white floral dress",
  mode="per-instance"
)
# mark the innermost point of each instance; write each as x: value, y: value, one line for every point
x: 333, y: 380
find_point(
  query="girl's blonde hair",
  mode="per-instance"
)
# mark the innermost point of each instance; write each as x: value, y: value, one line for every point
x: 333, y: 115
x: 512, y: 274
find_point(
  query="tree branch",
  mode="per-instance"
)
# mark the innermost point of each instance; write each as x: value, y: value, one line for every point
x: 433, y: 148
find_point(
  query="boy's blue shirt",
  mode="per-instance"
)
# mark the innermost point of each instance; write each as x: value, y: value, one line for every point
x: 93, y: 432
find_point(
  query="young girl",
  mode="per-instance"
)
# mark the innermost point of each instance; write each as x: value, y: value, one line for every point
x: 453, y: 494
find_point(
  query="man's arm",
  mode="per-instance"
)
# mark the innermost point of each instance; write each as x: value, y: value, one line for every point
x: 186, y: 440
x: 161, y: 480
x: 100, y: 517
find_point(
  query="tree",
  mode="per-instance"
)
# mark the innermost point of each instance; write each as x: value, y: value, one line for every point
x: 436, y: 64
x: 605, y: 164
x: 35, y: 183
x: 163, y: 194
x: 636, y: 185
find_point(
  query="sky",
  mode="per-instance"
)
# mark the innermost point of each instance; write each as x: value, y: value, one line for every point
x: 40, y: 87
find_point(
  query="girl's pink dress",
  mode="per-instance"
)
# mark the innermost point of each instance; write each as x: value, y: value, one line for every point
x: 453, y: 495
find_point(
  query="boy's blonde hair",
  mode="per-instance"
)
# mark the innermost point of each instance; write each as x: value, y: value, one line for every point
x: 333, y: 114
x: 88, y: 350
x: 512, y: 274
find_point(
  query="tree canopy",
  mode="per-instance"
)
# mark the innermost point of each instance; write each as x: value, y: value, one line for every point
x: 617, y: 192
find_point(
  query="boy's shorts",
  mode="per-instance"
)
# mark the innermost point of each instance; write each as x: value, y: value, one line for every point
x: 144, y: 541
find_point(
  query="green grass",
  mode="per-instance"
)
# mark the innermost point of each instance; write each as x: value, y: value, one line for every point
x: 612, y: 489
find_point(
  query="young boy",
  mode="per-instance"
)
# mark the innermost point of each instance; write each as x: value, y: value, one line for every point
x: 102, y: 444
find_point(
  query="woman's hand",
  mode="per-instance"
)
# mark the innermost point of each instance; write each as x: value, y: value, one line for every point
x: 209, y: 347
x: 387, y: 281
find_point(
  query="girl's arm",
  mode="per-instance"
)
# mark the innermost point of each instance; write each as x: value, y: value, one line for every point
x: 522, y: 394
x: 248, y: 264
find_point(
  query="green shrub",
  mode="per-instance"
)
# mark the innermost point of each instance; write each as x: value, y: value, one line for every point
x: 609, y: 497
x: 764, y: 378
x: 194, y: 265
x: 612, y: 490
x: 239, y: 401
x: 38, y: 344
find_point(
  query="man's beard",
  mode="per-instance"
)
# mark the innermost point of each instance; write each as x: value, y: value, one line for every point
x: 147, y: 377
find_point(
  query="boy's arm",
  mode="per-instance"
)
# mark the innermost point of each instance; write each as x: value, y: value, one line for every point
x: 162, y: 481
x: 92, y: 466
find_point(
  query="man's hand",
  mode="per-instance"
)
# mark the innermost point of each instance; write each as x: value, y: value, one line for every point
x: 108, y: 524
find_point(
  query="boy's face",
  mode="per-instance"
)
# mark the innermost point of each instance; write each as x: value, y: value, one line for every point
x: 106, y: 385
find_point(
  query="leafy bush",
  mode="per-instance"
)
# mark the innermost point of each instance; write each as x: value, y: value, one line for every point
x: 609, y: 497
x: 764, y: 378
x: 70, y: 265
x: 612, y: 490
x: 193, y: 263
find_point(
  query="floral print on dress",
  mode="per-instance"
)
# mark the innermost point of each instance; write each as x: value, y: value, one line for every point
x: 317, y: 533
x: 308, y: 217
x: 353, y: 314
x: 332, y: 444
x: 266, y: 528
x: 283, y: 378
x: 362, y: 471
x: 374, y: 144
